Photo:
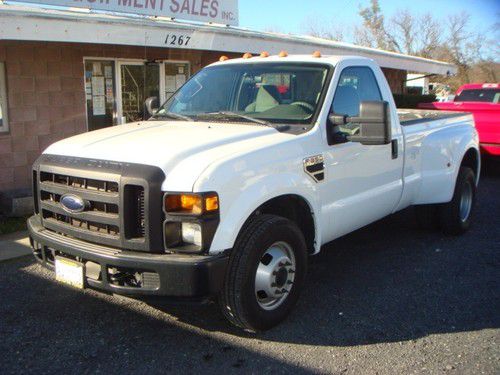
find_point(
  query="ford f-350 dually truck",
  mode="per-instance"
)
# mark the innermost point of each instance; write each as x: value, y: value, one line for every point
x: 247, y: 169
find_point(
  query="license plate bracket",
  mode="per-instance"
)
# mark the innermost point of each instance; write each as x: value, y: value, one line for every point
x: 69, y: 272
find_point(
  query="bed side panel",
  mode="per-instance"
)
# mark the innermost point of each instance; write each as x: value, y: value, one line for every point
x: 433, y: 155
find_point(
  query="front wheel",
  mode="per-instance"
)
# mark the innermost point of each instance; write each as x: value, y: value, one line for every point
x: 266, y: 271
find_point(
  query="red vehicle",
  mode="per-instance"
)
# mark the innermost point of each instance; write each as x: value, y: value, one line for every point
x: 483, y: 101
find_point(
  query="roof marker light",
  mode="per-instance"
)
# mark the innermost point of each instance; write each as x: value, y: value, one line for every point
x: 223, y: 58
x: 283, y: 54
x: 316, y: 54
x: 264, y: 54
x: 247, y: 55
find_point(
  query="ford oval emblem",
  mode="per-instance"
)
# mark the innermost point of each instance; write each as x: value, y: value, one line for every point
x: 72, y: 203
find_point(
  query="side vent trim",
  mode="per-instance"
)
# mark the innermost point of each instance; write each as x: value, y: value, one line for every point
x: 314, y: 166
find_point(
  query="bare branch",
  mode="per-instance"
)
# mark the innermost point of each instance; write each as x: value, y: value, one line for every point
x: 317, y: 28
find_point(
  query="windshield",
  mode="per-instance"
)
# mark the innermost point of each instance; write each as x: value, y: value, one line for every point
x: 263, y: 92
x: 479, y: 95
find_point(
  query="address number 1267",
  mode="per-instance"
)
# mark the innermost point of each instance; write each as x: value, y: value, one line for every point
x: 177, y: 40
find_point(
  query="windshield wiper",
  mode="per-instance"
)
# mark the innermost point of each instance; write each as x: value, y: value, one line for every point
x: 172, y: 115
x: 234, y: 114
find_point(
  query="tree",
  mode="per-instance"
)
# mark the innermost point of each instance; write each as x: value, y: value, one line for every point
x: 453, y: 41
x: 430, y: 36
x: 373, y: 33
x: 318, y: 29
x: 426, y: 36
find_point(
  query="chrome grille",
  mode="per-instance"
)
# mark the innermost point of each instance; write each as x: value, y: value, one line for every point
x: 102, y: 216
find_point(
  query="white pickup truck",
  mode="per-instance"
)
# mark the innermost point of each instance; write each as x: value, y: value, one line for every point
x: 250, y: 167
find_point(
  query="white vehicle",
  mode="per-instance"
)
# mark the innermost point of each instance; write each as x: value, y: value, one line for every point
x: 250, y: 167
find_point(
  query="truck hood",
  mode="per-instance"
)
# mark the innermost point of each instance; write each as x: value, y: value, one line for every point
x: 182, y: 147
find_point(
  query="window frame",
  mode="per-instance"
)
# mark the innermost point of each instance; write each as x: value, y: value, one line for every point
x: 4, y: 126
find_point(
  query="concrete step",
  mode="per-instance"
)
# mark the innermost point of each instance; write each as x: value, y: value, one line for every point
x: 14, y: 245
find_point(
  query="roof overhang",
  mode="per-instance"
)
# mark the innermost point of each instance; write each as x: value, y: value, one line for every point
x: 31, y: 23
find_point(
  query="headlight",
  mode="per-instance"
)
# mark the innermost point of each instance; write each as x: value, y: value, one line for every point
x: 191, y: 233
x: 191, y: 220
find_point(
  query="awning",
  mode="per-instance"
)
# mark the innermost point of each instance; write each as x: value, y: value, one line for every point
x: 19, y: 22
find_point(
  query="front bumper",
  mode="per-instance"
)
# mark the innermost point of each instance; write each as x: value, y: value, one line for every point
x: 172, y: 275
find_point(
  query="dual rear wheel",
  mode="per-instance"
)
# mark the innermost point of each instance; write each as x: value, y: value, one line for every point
x: 454, y: 217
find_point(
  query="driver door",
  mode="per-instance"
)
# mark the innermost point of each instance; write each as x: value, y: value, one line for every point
x: 364, y: 181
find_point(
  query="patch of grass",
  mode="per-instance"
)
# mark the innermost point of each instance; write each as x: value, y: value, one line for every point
x: 12, y: 224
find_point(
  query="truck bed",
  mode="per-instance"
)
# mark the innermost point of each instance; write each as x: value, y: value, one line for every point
x: 416, y: 116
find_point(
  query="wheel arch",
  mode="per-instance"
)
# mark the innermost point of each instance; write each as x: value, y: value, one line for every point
x: 472, y: 159
x: 296, y: 209
x: 294, y: 206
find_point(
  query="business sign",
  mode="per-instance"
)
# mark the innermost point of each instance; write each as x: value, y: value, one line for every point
x: 218, y: 11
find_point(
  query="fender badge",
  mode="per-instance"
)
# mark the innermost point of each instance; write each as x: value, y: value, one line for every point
x: 314, y: 166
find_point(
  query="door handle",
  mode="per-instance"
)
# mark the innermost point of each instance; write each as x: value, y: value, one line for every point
x: 394, y: 147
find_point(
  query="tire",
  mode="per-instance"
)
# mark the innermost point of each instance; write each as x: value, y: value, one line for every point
x: 427, y: 216
x: 260, y: 246
x: 455, y: 216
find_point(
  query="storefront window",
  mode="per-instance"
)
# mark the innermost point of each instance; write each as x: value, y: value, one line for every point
x: 4, y: 121
x: 176, y: 74
x: 117, y: 90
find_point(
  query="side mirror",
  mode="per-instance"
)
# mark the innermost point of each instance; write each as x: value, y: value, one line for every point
x: 373, y: 121
x: 151, y: 105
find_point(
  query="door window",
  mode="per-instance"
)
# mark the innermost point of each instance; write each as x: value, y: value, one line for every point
x: 356, y: 84
x: 100, y: 93
x: 138, y: 82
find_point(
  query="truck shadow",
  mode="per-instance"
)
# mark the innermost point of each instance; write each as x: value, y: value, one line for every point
x: 48, y: 328
x: 490, y: 167
x: 390, y: 282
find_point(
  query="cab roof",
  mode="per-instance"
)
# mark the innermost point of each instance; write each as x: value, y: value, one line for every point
x: 332, y: 60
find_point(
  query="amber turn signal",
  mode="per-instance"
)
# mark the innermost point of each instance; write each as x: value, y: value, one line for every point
x: 183, y: 203
x: 211, y: 202
x: 193, y: 204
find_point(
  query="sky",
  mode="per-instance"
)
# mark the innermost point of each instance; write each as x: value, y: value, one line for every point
x: 292, y: 16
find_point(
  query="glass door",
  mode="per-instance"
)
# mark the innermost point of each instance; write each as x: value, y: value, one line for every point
x: 100, y: 93
x: 138, y: 82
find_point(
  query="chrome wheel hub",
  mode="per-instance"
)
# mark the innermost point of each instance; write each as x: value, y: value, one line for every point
x: 275, y: 275
x: 466, y: 202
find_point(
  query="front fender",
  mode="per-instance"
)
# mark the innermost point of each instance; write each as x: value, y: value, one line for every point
x: 238, y: 202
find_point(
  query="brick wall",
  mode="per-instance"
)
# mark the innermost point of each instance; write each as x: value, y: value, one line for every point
x: 396, y: 79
